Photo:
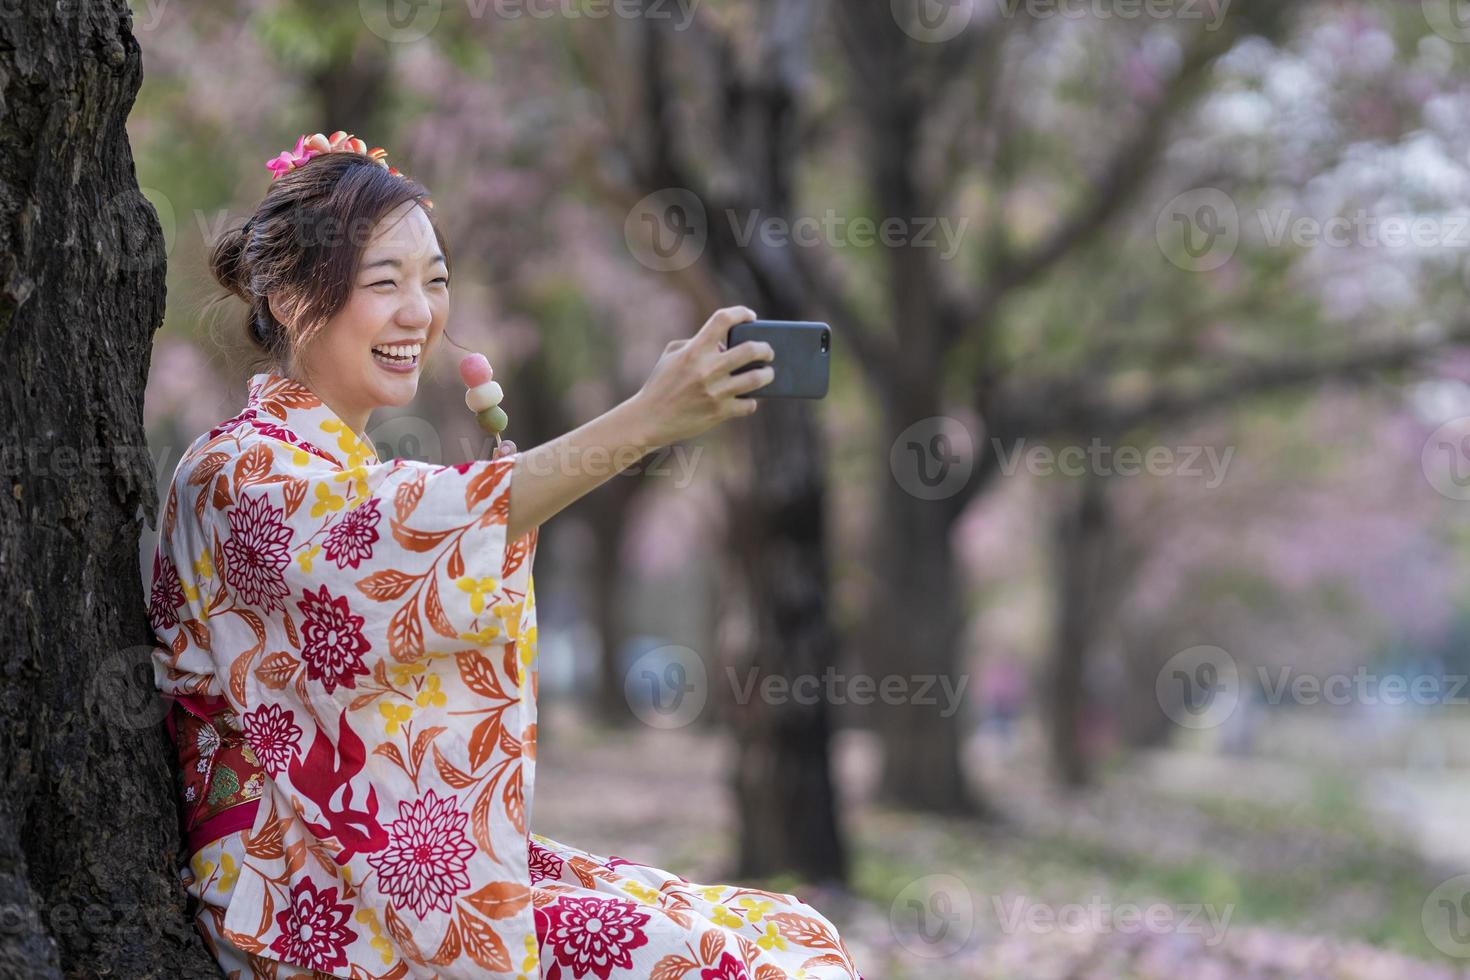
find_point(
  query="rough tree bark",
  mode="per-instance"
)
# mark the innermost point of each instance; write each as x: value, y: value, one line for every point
x: 88, y: 827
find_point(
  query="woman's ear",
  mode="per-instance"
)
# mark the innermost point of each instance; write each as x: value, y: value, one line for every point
x: 277, y: 305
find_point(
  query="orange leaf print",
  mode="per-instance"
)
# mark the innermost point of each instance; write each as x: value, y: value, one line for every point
x: 276, y: 670
x: 480, y: 820
x: 239, y: 670
x: 171, y: 510
x: 528, y: 741
x: 514, y: 555
x: 450, y: 948
x: 711, y: 945
x: 296, y: 857
x: 414, y: 539
x: 481, y: 942
x: 435, y: 611
x: 222, y: 497
x: 749, y: 951
x: 768, y: 972
x: 499, y: 899
x: 803, y: 930
x: 827, y: 959
x: 390, y: 752
x: 451, y: 775
x: 291, y: 635
x: 515, y: 801
x: 483, y: 483
x: 672, y: 967
x: 479, y: 675
x: 402, y: 935
x: 204, y: 470
x: 386, y: 585
x: 253, y: 466
x: 483, y: 739
x: 421, y: 745
x: 199, y: 632
x: 406, y: 633
x: 456, y: 562
x: 295, y: 494
x: 407, y: 498
x: 269, y: 844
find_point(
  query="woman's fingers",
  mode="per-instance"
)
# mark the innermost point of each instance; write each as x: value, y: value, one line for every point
x: 739, y: 384
x: 505, y: 448
x: 743, y: 354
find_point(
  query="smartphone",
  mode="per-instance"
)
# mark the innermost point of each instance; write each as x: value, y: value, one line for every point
x: 803, y: 356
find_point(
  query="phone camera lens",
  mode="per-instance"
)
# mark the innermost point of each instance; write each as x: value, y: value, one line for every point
x: 826, y: 341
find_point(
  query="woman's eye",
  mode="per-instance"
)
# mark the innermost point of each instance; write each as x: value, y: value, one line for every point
x: 443, y: 279
x: 382, y: 282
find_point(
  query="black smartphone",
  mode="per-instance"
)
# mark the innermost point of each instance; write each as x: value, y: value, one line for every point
x: 803, y: 356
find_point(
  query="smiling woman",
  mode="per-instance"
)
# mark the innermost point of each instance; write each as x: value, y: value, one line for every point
x: 350, y: 644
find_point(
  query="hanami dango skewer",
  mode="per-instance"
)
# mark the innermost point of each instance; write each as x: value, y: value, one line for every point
x: 483, y: 395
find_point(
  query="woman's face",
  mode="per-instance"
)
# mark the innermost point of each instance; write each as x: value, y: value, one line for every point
x: 399, y: 301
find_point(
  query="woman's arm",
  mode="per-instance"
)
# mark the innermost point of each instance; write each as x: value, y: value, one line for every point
x: 690, y: 391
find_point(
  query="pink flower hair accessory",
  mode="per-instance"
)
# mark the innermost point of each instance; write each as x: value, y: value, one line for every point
x: 315, y: 144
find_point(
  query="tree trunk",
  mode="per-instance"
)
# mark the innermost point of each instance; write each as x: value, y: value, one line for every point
x: 1079, y: 562
x: 782, y: 776
x: 88, y: 822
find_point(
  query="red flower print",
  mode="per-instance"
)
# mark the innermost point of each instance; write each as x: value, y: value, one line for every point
x: 351, y: 538
x: 545, y: 866
x: 314, y: 930
x: 273, y: 736
x: 423, y: 865
x: 729, y: 968
x: 332, y: 639
x: 256, y: 553
x: 591, y: 935
x: 167, y: 595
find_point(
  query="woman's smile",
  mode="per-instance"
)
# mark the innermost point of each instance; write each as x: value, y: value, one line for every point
x: 400, y: 358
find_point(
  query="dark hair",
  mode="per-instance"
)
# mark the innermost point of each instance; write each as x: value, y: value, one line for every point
x: 304, y: 244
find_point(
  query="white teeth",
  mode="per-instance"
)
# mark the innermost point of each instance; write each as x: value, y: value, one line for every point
x: 400, y: 350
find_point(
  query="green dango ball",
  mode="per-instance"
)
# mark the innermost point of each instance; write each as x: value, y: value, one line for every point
x: 493, y: 419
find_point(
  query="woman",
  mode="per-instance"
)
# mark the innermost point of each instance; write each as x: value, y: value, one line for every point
x: 351, y: 643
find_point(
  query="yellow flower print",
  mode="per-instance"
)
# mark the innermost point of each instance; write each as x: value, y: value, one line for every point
x: 229, y: 872
x: 526, y: 646
x: 643, y: 893
x: 202, y: 868
x: 403, y: 673
x: 755, y: 909
x: 485, y: 637
x: 723, y: 917
x: 712, y: 893
x: 477, y: 588
x: 300, y: 456
x: 326, y: 501
x: 370, y: 919
x: 204, y: 567
x: 431, y: 695
x: 530, y: 966
x: 396, y: 714
x: 304, y: 559
x: 772, y: 939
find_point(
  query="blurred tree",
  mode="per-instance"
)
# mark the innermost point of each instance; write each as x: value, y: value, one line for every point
x: 88, y: 829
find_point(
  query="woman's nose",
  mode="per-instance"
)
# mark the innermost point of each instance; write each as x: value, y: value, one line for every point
x: 415, y: 311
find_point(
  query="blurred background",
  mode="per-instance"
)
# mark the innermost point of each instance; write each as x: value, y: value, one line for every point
x: 1108, y: 618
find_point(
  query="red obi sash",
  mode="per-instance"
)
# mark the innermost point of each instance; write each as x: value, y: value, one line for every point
x: 223, y: 780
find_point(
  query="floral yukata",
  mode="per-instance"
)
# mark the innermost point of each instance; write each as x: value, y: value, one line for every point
x: 350, y: 648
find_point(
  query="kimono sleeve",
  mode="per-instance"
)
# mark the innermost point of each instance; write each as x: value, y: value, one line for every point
x: 376, y: 561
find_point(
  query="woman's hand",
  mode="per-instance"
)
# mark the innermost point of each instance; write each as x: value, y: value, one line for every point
x: 691, y: 389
